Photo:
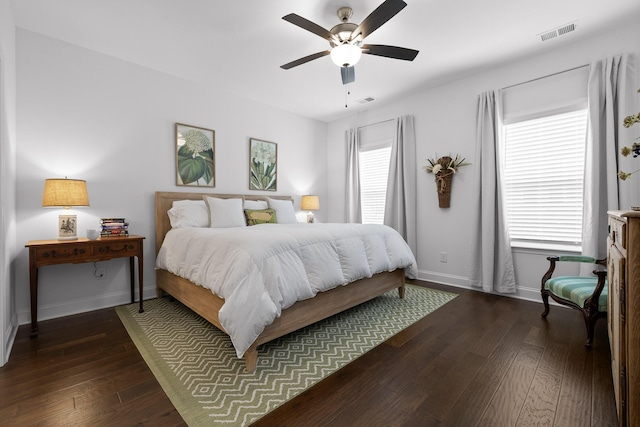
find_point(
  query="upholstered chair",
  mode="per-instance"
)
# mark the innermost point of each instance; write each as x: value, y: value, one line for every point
x: 588, y: 294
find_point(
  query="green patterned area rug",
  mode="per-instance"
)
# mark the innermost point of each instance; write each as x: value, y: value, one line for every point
x: 198, y: 369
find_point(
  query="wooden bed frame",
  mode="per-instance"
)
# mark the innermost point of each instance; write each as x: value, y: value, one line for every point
x: 301, y: 314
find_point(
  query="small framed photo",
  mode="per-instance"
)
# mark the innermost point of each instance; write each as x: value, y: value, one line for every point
x: 263, y: 165
x: 195, y: 154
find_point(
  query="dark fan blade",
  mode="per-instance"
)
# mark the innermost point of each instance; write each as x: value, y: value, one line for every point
x: 394, y: 52
x: 309, y: 26
x: 382, y: 14
x: 348, y: 75
x: 304, y: 60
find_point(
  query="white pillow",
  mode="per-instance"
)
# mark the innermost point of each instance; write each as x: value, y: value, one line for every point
x: 284, y: 211
x: 255, y: 205
x: 225, y: 213
x: 188, y: 213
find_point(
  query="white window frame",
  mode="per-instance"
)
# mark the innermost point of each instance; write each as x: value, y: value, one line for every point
x: 558, y: 222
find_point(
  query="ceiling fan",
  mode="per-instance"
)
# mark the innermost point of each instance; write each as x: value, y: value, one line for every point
x: 346, y: 39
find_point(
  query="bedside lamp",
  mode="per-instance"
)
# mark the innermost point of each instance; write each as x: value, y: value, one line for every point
x: 65, y: 193
x: 310, y: 203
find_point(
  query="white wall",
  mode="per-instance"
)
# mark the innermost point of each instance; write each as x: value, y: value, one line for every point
x: 86, y: 115
x: 8, y: 318
x: 445, y: 123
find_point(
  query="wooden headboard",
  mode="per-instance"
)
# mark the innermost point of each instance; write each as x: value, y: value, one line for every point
x: 164, y: 202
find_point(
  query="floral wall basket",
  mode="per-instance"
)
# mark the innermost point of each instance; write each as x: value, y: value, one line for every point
x: 444, y: 168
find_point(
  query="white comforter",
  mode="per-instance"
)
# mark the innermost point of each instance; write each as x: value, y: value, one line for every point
x: 263, y: 269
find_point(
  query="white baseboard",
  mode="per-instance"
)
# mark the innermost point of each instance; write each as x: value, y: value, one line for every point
x: 68, y: 308
x: 522, y: 292
x: 10, y: 333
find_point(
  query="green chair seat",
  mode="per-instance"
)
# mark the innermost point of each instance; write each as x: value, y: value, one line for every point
x: 588, y: 294
x: 578, y: 289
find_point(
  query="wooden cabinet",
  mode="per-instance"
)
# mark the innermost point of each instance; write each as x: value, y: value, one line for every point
x: 623, y: 265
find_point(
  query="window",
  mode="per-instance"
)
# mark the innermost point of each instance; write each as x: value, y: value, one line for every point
x: 543, y: 171
x: 375, y: 153
x: 374, y: 172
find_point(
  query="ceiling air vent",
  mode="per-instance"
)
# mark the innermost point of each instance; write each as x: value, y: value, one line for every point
x: 366, y: 100
x: 560, y: 31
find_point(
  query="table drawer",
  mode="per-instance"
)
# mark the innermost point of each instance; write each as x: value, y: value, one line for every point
x: 618, y: 233
x: 61, y: 254
x: 117, y: 248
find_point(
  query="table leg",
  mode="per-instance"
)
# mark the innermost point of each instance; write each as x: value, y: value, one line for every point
x: 140, y: 279
x: 132, y: 279
x: 33, y: 290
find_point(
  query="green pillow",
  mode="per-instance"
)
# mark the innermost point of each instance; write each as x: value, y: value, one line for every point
x: 260, y: 216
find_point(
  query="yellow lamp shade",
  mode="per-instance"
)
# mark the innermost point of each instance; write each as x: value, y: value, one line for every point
x: 310, y: 203
x: 65, y: 193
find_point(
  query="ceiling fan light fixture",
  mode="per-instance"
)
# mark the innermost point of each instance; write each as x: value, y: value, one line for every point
x: 346, y: 55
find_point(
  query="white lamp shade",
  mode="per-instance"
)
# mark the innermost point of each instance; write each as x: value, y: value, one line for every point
x: 310, y: 203
x: 346, y: 55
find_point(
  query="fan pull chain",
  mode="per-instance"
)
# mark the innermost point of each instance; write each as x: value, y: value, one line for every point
x: 347, y: 92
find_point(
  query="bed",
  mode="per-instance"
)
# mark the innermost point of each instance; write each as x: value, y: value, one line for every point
x: 291, y: 317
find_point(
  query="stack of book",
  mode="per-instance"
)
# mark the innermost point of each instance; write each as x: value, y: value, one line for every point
x: 114, y: 227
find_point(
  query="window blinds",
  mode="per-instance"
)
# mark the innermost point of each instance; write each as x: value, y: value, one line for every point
x: 374, y: 172
x: 543, y: 167
x: 375, y: 153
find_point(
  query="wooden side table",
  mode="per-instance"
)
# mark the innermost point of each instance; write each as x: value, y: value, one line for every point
x: 53, y: 252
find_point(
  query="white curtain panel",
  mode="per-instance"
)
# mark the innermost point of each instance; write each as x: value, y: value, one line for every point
x: 611, y: 97
x: 400, y: 203
x: 492, y: 262
x: 352, y: 202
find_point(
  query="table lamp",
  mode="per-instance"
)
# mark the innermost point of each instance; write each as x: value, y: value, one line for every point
x: 65, y: 193
x: 310, y: 203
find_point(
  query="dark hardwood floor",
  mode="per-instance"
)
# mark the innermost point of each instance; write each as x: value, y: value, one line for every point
x: 480, y: 360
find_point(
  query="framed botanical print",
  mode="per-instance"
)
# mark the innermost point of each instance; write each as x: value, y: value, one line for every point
x: 195, y: 151
x: 263, y: 160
